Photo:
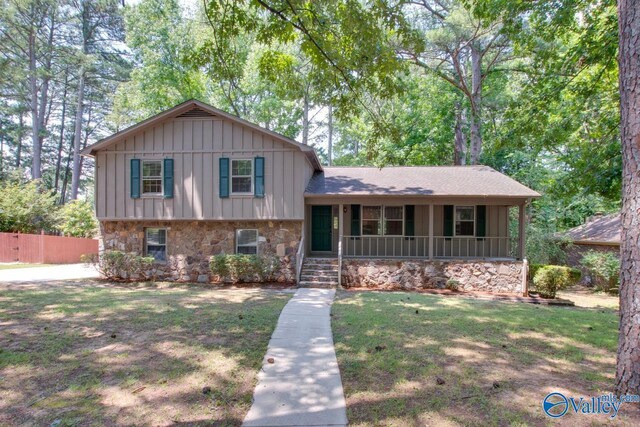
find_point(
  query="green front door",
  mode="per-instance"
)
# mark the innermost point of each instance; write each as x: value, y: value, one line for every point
x: 321, y: 228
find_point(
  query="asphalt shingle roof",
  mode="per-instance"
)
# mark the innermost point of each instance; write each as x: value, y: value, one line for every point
x: 417, y: 181
x: 600, y: 229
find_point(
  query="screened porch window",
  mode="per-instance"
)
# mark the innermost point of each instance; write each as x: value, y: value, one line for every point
x: 465, y: 221
x: 382, y: 220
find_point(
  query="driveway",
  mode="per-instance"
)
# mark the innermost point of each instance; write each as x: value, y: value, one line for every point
x: 46, y: 274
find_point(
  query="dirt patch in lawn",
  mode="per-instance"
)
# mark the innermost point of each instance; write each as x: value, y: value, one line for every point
x: 411, y: 359
x: 91, y: 353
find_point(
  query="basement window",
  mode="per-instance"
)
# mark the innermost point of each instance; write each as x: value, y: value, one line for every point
x: 247, y: 242
x: 156, y: 243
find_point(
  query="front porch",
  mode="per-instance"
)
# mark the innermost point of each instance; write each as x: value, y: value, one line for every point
x: 462, y: 229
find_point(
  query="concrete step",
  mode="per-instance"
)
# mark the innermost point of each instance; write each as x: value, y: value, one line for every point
x: 320, y: 261
x: 319, y: 279
x: 305, y: 275
x: 327, y: 285
x: 320, y: 266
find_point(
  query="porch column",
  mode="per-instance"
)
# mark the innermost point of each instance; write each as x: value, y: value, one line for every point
x: 340, y: 234
x: 431, y: 231
x: 522, y: 221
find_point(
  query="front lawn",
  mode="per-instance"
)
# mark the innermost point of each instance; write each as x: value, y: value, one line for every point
x: 495, y: 361
x: 78, y: 354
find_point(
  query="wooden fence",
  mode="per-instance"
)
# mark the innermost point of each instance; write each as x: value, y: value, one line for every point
x: 43, y: 249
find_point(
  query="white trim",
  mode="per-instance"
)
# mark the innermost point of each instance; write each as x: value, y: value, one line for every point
x: 252, y: 176
x: 155, y: 194
x: 237, y: 245
x: 475, y: 216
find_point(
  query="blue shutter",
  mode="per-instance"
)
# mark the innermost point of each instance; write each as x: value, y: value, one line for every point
x: 481, y: 220
x: 224, y: 177
x: 258, y: 184
x: 355, y: 220
x: 167, y: 172
x: 135, y: 179
x: 409, y: 220
x: 448, y: 220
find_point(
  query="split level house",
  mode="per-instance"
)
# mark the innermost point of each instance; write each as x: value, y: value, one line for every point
x: 195, y: 181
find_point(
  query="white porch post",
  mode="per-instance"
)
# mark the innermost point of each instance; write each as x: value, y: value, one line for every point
x: 431, y: 231
x: 340, y: 234
x: 521, y: 231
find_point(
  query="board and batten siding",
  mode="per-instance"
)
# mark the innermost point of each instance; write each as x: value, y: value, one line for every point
x: 195, y: 145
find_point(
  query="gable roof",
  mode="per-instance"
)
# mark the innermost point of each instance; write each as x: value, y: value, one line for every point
x: 598, y: 229
x: 479, y: 181
x: 195, y: 108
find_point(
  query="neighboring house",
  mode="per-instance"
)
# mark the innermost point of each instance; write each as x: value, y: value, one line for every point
x: 195, y: 181
x: 599, y: 233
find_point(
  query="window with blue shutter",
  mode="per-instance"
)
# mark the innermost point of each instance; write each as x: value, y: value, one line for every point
x: 258, y: 185
x: 167, y: 177
x: 135, y: 179
x: 224, y: 177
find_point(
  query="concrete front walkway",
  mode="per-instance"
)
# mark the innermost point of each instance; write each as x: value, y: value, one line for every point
x: 48, y: 273
x: 302, y: 387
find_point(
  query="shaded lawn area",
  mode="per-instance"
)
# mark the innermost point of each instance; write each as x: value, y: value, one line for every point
x: 104, y: 354
x: 14, y: 266
x: 498, y: 359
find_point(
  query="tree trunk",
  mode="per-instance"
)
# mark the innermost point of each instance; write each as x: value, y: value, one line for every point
x: 61, y: 141
x: 460, y: 145
x: 305, y: 118
x: 628, y: 366
x: 476, y: 104
x: 75, y: 178
x: 36, y: 168
x: 19, y: 137
x: 330, y: 142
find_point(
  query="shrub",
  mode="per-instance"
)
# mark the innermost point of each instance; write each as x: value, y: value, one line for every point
x: 453, y: 285
x: 78, y: 220
x: 604, y: 270
x: 551, y: 278
x: 26, y: 208
x: 237, y: 268
x: 116, y: 265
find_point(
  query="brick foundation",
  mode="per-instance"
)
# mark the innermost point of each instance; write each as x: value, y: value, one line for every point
x: 190, y: 244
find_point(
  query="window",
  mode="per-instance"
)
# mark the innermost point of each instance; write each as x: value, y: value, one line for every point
x: 152, y: 177
x: 156, y: 243
x: 393, y: 220
x: 247, y: 242
x: 241, y: 176
x: 382, y: 220
x: 465, y: 221
x: 371, y: 220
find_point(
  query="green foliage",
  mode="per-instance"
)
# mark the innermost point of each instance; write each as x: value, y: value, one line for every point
x: 121, y: 266
x: 26, y: 207
x: 237, y: 268
x: 551, y: 278
x: 77, y: 219
x: 604, y: 269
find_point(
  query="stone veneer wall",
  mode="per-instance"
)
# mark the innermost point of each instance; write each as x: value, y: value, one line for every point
x: 190, y: 244
x: 487, y: 276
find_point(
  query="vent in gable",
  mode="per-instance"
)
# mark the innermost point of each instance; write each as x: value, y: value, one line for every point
x: 195, y: 112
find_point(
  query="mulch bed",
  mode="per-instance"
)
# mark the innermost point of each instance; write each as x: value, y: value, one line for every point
x: 486, y: 296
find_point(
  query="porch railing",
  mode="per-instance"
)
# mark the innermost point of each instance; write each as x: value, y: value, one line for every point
x: 418, y: 247
x: 300, y: 258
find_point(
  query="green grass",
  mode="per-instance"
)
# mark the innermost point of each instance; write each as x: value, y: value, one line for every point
x: 498, y: 360
x: 15, y: 266
x: 139, y: 355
